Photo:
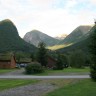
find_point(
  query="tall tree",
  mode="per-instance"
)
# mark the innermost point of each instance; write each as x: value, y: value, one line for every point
x: 42, y: 54
x: 59, y: 64
x: 64, y: 60
x: 93, y: 53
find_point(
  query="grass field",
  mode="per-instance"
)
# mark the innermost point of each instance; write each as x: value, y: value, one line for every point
x: 82, y: 88
x: 66, y: 70
x: 11, y: 83
x: 6, y: 70
x: 49, y: 72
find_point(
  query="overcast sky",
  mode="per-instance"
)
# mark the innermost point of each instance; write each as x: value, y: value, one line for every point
x: 52, y: 17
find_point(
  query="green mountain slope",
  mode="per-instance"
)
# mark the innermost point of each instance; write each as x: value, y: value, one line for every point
x: 35, y: 36
x: 76, y: 35
x: 81, y: 45
x: 10, y: 39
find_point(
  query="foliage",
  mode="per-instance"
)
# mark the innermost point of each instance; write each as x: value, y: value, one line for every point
x: 34, y: 68
x: 42, y: 54
x: 32, y: 56
x: 65, y: 60
x: 93, y: 52
x: 59, y: 63
x: 77, y: 59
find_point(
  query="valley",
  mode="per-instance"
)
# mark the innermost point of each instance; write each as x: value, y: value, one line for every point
x: 44, y: 56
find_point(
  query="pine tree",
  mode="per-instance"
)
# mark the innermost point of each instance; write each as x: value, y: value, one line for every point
x: 93, y: 53
x: 42, y: 54
x: 59, y: 64
x: 64, y: 60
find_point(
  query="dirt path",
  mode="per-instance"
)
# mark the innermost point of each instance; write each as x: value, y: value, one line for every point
x: 38, y: 89
x: 29, y: 90
x: 41, y: 88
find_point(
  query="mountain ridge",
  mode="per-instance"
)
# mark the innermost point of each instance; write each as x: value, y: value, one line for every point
x: 10, y: 39
x: 76, y: 35
x: 35, y: 36
x: 81, y: 45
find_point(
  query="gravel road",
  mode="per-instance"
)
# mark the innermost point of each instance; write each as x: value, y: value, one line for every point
x: 38, y: 89
x: 29, y: 90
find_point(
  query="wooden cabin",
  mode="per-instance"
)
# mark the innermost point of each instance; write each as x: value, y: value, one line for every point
x: 7, y: 61
x: 23, y: 62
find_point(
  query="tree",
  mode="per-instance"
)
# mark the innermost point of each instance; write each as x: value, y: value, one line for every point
x: 64, y: 60
x: 93, y: 53
x: 32, y: 57
x: 59, y: 64
x: 42, y: 54
x: 77, y: 59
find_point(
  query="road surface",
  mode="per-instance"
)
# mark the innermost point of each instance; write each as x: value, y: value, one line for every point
x: 43, y: 77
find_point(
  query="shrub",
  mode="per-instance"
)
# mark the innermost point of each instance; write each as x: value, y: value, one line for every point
x: 34, y: 68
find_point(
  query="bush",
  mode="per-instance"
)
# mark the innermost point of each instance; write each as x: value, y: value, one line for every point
x: 34, y: 68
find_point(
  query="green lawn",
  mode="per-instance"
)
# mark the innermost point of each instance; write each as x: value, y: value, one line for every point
x: 81, y: 88
x: 6, y: 70
x: 11, y: 83
x: 66, y: 70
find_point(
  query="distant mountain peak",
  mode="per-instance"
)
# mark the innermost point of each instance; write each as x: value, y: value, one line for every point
x: 77, y: 34
x: 61, y: 36
x: 35, y: 36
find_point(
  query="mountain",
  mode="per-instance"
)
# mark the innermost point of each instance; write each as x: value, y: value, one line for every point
x: 61, y: 36
x: 76, y: 35
x: 81, y: 45
x: 10, y: 39
x: 35, y: 36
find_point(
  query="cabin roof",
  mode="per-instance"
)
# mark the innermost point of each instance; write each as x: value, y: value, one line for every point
x: 24, y: 60
x: 5, y: 57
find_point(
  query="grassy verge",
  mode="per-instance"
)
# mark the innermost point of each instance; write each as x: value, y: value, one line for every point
x: 81, y: 88
x: 7, y: 70
x: 66, y: 70
x: 11, y: 83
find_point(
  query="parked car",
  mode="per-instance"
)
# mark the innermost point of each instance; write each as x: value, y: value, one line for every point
x: 23, y: 65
